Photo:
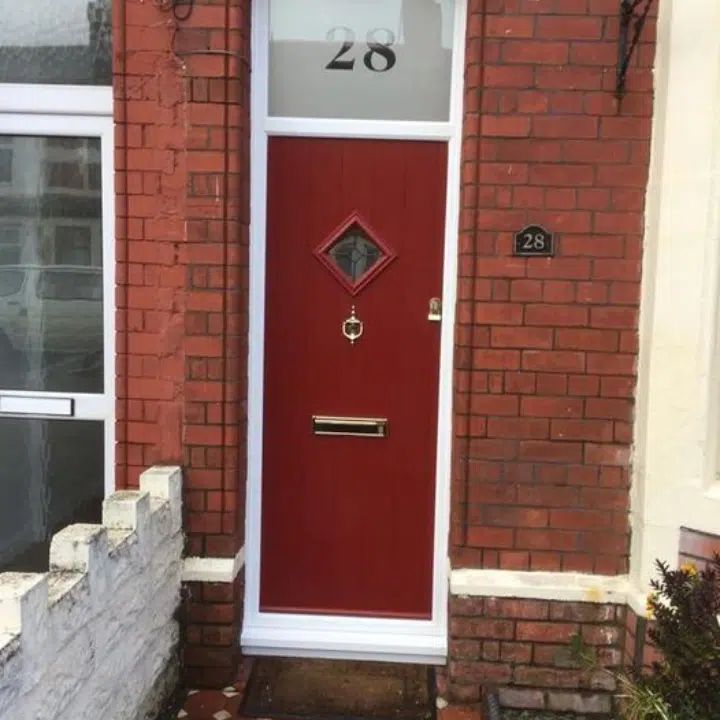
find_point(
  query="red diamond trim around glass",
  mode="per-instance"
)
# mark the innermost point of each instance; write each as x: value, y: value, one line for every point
x: 354, y: 253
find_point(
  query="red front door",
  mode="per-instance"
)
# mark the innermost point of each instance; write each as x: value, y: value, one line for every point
x: 350, y: 422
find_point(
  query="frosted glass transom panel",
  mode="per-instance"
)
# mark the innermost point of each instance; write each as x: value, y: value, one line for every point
x: 361, y: 59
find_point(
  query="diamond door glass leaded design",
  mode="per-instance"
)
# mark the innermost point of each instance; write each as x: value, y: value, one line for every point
x: 354, y: 253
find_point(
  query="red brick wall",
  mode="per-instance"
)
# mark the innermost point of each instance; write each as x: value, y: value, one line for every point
x: 211, y: 623
x: 182, y: 103
x: 520, y: 646
x: 698, y: 548
x: 639, y: 651
x: 630, y: 646
x: 547, y: 348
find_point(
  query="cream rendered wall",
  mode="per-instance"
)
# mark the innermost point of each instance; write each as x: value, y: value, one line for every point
x: 675, y: 481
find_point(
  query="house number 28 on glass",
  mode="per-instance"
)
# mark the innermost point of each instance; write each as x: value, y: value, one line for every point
x: 379, y: 56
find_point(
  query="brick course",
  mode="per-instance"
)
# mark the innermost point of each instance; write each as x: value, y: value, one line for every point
x: 182, y: 184
x: 520, y: 646
x: 639, y: 652
x: 546, y: 349
x: 211, y: 621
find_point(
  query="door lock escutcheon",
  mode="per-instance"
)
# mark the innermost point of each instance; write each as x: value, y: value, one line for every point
x: 435, y: 310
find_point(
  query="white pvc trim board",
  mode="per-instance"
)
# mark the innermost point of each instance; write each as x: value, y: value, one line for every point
x: 63, y: 100
x: 359, y: 129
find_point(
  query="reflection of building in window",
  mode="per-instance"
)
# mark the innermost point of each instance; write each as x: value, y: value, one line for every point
x: 6, y: 158
x: 73, y: 245
x: 70, y: 285
x: 10, y: 247
x: 98, y: 13
x: 11, y: 281
x: 51, y: 212
x: 72, y: 164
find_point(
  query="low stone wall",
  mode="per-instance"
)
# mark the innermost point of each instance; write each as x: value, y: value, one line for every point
x: 97, y: 636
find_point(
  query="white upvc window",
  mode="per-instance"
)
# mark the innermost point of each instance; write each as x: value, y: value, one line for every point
x: 57, y: 279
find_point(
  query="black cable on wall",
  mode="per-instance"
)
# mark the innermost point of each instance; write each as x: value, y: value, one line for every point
x: 181, y: 9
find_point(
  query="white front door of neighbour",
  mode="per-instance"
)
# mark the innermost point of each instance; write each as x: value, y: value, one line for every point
x: 57, y: 258
x: 56, y: 369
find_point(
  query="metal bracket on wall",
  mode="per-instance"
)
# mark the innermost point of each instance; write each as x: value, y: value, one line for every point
x: 180, y: 11
x: 630, y: 28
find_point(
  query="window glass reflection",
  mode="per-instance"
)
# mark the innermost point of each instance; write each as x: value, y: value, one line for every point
x: 51, y: 283
x: 46, y: 483
x: 56, y: 42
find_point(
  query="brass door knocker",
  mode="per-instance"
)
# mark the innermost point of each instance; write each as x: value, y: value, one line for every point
x: 352, y: 328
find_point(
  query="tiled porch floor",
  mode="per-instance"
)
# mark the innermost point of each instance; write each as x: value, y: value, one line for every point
x: 224, y: 704
x: 212, y: 704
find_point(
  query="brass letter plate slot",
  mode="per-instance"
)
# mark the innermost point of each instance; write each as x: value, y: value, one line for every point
x: 359, y: 427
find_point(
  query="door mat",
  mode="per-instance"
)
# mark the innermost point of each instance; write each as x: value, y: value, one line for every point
x: 338, y: 689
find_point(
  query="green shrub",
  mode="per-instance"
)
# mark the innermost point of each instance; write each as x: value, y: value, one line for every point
x: 685, y: 608
x: 685, y: 684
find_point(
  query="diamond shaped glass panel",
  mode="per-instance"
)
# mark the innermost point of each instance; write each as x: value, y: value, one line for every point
x: 354, y: 253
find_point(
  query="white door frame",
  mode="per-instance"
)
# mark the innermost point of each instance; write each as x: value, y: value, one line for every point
x: 327, y: 636
x: 73, y: 111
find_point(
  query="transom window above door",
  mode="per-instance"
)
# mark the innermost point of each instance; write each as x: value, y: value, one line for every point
x: 347, y: 59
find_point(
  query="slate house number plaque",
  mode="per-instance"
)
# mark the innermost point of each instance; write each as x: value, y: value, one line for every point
x: 534, y: 241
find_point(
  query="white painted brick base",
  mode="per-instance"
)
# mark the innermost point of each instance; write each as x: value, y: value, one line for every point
x: 96, y: 637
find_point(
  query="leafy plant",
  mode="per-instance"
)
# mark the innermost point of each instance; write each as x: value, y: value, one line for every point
x: 684, y: 606
x: 639, y: 702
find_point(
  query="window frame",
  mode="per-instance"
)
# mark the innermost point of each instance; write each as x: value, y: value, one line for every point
x: 75, y: 111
